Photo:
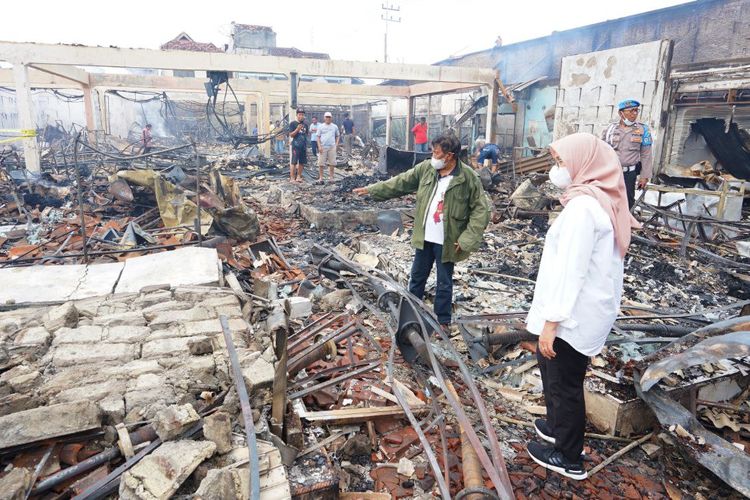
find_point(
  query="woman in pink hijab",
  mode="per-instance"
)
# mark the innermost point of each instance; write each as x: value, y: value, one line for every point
x: 578, y: 290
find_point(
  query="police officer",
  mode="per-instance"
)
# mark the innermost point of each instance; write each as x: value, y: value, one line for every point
x: 632, y: 141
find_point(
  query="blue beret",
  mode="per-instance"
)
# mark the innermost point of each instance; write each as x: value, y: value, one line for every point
x: 628, y: 103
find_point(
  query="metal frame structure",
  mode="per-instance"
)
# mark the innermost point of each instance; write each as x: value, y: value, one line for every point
x: 63, y: 66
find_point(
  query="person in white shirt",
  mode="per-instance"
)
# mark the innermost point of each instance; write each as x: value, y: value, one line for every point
x: 578, y: 290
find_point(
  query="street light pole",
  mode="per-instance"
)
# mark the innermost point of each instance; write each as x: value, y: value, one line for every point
x: 388, y: 17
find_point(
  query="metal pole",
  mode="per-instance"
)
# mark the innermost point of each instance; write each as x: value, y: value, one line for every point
x: 247, y: 411
x: 80, y: 197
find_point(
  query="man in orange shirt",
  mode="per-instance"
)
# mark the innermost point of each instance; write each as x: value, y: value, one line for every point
x: 420, y: 136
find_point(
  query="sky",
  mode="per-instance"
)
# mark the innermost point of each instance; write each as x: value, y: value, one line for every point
x: 429, y: 31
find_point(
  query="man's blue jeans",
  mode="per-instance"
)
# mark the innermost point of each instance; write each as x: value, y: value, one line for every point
x: 420, y: 148
x: 420, y: 270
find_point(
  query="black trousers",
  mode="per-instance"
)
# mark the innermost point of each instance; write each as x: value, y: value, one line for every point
x: 562, y: 378
x: 420, y: 271
x: 630, y: 179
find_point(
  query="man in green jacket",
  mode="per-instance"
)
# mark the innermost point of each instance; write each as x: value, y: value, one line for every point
x: 449, y: 218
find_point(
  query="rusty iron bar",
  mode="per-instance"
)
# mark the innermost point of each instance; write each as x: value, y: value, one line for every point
x: 346, y: 376
x: 38, y: 469
x: 323, y: 373
x: 306, y: 328
x: 317, y: 351
x: 142, y: 435
x: 294, y: 346
x: 470, y: 465
x: 247, y: 411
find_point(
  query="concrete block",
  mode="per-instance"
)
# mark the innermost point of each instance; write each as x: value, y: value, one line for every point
x: 221, y: 300
x: 126, y: 334
x: 220, y: 484
x: 213, y: 327
x: 266, y: 288
x: 146, y: 381
x: 152, y: 298
x: 139, y: 399
x: 14, y: 484
x: 75, y: 354
x: 160, y: 474
x: 65, y: 315
x: 166, y: 347
x: 173, y: 317
x: 184, y: 266
x: 258, y: 375
x: 35, y: 336
x: 90, y: 392
x: 47, y: 422
x: 113, y: 409
x: 81, y: 335
x: 24, y: 382
x: 298, y: 307
x: 200, y: 345
x: 130, y: 318
x: 132, y: 369
x: 172, y: 305
x: 218, y: 428
x: 88, y: 308
x: 174, y: 420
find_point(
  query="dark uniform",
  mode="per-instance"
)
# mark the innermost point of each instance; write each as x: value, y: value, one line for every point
x: 633, y: 146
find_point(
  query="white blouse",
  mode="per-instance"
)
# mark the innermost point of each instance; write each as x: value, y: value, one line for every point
x: 579, y: 283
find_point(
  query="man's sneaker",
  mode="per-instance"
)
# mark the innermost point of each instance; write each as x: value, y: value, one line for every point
x: 544, y: 432
x: 541, y: 429
x: 552, y: 459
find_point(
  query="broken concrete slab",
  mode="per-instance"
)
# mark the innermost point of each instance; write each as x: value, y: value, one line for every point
x: 218, y: 428
x: 75, y: 354
x: 174, y: 420
x: 167, y: 347
x: 184, y: 266
x: 34, y: 336
x: 89, y: 334
x: 14, y: 484
x: 57, y: 283
x: 48, y: 422
x: 65, y: 315
x: 126, y: 318
x: 220, y: 484
x: 126, y: 333
x: 258, y: 375
x: 298, y: 307
x: 160, y: 474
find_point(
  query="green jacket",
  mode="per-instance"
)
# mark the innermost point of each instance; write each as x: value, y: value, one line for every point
x: 466, y: 212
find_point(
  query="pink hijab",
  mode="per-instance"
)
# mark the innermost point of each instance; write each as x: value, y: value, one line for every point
x: 595, y: 169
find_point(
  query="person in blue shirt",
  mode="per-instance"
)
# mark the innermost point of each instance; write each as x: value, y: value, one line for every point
x: 487, y: 152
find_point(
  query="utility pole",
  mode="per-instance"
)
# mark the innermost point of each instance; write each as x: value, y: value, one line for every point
x: 388, y: 17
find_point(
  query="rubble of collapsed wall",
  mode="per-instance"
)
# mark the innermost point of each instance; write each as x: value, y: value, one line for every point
x: 222, y: 279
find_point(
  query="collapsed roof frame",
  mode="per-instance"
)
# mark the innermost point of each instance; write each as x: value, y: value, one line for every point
x: 59, y: 66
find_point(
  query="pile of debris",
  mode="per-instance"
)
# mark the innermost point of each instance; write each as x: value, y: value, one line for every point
x: 279, y: 355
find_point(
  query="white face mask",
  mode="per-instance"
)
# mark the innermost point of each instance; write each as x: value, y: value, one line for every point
x: 560, y: 177
x: 437, y: 164
x: 627, y: 122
